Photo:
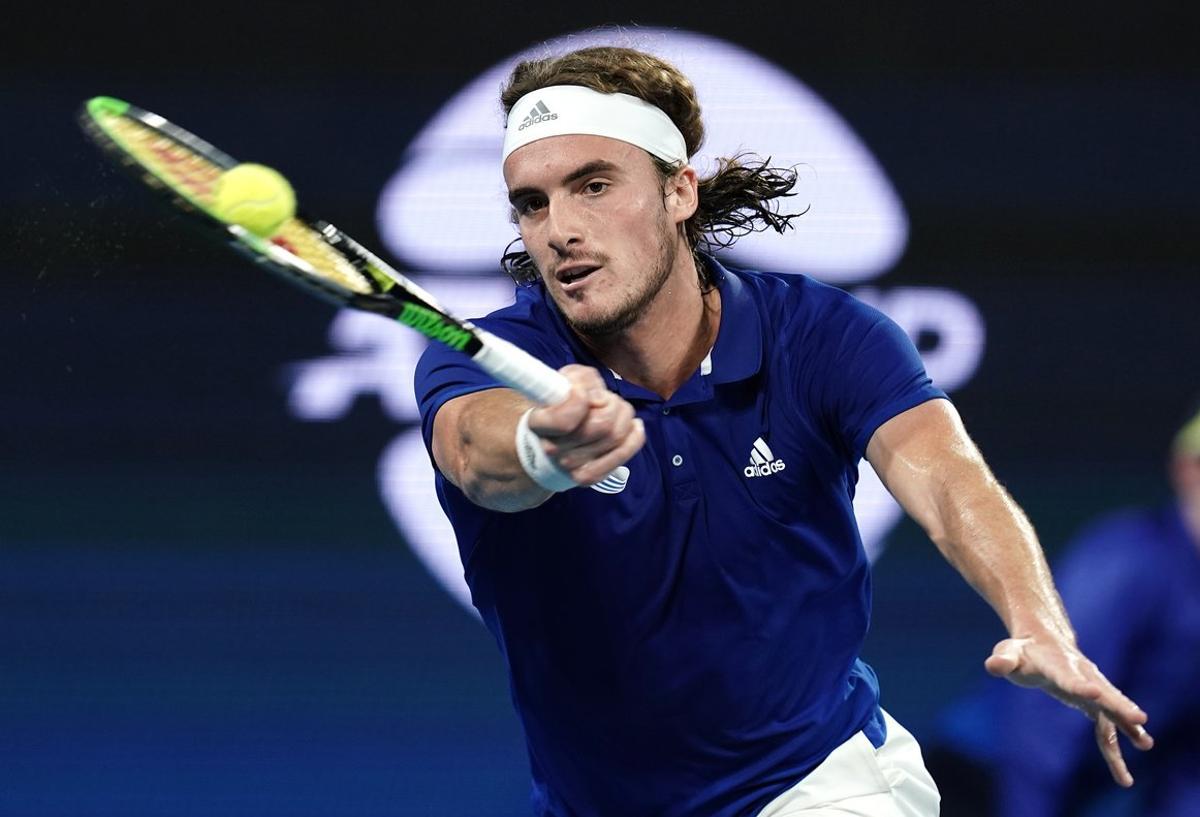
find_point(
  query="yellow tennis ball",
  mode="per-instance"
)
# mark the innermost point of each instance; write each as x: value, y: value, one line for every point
x: 255, y: 197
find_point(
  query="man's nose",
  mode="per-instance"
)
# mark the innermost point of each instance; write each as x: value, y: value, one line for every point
x: 564, y: 227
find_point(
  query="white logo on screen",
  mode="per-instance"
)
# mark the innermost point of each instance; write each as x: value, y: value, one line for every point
x: 444, y: 214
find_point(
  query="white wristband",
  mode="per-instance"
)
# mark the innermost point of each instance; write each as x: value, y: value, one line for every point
x: 537, y: 464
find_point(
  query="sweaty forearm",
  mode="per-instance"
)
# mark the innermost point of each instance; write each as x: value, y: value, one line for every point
x: 985, y: 535
x: 936, y: 472
x: 474, y: 447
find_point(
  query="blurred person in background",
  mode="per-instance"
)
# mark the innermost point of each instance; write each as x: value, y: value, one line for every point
x: 1131, y: 585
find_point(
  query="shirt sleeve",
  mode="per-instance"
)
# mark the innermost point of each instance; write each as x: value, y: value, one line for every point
x: 443, y: 374
x: 864, y: 371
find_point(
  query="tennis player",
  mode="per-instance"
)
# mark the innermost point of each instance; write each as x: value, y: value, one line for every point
x: 668, y: 559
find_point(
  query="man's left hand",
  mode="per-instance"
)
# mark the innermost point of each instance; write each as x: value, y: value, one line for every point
x: 1058, y: 667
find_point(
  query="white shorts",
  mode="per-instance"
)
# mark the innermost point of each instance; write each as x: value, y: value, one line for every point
x: 858, y: 779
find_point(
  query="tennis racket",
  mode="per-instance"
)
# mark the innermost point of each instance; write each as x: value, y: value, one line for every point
x: 311, y: 253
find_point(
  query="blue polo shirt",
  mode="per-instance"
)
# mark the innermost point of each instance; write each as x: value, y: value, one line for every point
x: 689, y: 645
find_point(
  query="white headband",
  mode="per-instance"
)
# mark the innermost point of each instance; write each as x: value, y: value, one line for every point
x: 559, y: 110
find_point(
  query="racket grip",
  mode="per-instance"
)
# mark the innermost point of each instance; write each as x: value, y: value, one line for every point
x: 516, y: 368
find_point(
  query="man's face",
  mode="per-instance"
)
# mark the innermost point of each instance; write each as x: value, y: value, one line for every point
x: 592, y: 216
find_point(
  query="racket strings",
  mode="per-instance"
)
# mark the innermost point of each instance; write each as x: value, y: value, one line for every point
x: 189, y: 174
x: 306, y: 243
x: 170, y: 163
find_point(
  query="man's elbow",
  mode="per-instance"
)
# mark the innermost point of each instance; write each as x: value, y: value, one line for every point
x: 501, y: 493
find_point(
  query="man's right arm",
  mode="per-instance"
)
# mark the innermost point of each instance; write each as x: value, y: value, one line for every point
x: 587, y: 435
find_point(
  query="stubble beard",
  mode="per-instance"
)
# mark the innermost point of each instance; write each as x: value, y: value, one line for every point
x: 627, y: 313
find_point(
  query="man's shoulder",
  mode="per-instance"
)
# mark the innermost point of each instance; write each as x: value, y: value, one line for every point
x: 796, y: 304
x: 796, y: 285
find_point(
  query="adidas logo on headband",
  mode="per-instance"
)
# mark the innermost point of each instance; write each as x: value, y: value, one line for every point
x: 539, y: 113
x: 581, y: 111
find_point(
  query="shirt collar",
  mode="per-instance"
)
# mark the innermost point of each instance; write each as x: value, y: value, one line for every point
x: 737, y: 353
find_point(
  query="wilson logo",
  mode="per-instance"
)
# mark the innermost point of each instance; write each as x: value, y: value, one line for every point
x: 433, y: 325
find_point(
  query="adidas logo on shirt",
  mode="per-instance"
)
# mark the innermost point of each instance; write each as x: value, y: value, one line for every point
x: 762, y: 461
x: 539, y: 113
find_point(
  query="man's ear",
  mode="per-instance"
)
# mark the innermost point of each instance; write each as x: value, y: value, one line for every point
x: 681, y: 194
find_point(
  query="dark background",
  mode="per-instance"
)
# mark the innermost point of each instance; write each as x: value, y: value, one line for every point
x: 205, y: 609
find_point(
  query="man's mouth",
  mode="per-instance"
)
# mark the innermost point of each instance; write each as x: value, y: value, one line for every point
x: 569, y: 276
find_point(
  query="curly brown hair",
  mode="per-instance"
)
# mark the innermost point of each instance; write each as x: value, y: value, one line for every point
x: 742, y: 196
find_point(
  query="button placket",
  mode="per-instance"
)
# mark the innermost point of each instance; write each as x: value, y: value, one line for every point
x: 677, y: 450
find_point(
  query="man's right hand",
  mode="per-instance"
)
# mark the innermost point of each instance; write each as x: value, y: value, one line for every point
x: 587, y: 435
x: 591, y: 432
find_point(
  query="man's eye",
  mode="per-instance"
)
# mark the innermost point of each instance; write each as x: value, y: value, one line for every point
x: 526, y: 207
x: 595, y: 187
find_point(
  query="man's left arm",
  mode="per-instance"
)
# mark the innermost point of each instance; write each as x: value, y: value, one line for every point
x: 936, y: 472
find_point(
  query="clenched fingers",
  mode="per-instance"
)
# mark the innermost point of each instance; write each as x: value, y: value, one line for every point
x: 605, y: 428
x: 597, y: 469
x: 588, y: 391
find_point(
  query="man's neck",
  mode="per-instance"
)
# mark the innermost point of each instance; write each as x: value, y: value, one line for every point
x: 668, y: 342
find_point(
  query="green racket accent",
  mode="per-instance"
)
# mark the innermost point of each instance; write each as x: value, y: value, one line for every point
x: 107, y: 105
x: 430, y: 323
